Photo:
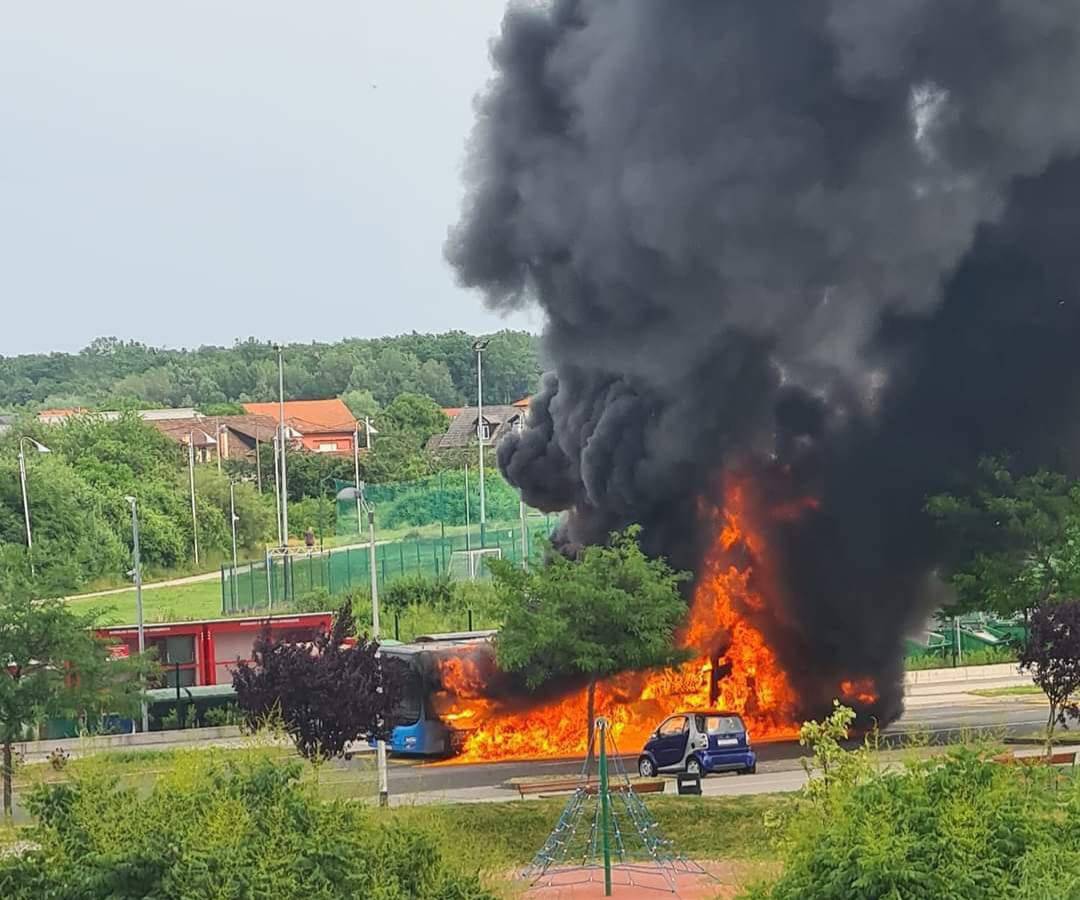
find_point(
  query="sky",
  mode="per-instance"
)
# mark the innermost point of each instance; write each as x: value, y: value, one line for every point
x: 193, y: 173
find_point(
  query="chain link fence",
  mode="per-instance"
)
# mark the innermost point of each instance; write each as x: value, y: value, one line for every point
x: 432, y: 548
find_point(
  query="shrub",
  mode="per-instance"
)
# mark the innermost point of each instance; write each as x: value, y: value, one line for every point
x: 214, y: 827
x: 962, y: 826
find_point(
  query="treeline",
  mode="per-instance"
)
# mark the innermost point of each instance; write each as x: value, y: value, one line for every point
x: 114, y: 373
x: 82, y: 521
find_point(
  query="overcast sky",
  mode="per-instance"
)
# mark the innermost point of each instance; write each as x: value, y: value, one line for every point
x: 196, y: 172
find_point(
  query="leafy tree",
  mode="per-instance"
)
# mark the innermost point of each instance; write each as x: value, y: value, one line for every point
x: 414, y: 415
x: 610, y: 610
x: 51, y: 664
x: 1014, y: 541
x: 1052, y: 655
x: 328, y: 692
x: 362, y: 404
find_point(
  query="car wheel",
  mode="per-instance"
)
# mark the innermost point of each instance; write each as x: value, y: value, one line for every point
x: 749, y: 770
x: 348, y: 757
x: 646, y: 767
x: 693, y: 766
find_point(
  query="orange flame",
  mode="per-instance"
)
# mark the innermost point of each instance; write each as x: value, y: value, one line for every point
x: 724, y: 642
x: 861, y: 690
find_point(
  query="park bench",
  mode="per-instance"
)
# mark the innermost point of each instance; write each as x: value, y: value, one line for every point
x: 1058, y: 758
x: 552, y: 786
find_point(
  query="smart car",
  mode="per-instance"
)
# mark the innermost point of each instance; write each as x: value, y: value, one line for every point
x: 699, y: 743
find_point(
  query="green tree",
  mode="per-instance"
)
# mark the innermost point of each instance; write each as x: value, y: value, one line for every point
x: 1051, y: 654
x: 53, y: 665
x: 1013, y: 540
x: 362, y: 404
x: 414, y: 415
x: 610, y: 610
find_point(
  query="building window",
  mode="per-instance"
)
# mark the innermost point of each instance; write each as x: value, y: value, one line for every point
x: 519, y: 424
x: 328, y: 447
x: 484, y: 430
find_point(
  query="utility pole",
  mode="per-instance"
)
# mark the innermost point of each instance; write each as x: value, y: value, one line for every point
x: 468, y: 517
x: 380, y: 745
x: 191, y: 479
x: 41, y: 448
x: 356, y: 475
x: 258, y: 460
x: 137, y: 572
x: 217, y: 444
x: 480, y: 345
x: 277, y: 490
x: 233, y: 518
x: 524, y: 535
x: 283, y: 445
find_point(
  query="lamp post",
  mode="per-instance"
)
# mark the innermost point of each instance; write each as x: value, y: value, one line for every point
x: 480, y: 345
x: 380, y: 745
x: 220, y: 432
x: 191, y: 481
x: 233, y: 518
x: 282, y: 445
x: 137, y: 573
x: 41, y: 448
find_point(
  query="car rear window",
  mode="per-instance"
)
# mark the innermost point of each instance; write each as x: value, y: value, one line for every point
x: 723, y: 724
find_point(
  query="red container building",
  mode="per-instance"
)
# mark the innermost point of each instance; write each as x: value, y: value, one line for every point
x: 204, y: 653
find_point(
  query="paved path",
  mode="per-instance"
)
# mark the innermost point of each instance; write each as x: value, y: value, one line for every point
x: 205, y: 576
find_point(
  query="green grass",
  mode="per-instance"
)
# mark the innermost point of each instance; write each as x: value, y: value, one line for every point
x: 500, y: 836
x: 1020, y: 690
x: 986, y: 657
x: 167, y: 604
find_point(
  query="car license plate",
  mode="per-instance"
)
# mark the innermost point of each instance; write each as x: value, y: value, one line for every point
x: 726, y: 742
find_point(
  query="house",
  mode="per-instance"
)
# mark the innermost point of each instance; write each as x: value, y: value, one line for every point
x: 199, y: 433
x: 5, y: 423
x: 324, y: 426
x: 498, y: 421
x: 236, y: 437
x: 59, y: 416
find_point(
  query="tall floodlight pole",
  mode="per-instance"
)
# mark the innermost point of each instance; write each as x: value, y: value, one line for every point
x: 258, y: 460
x: 41, y: 448
x: 380, y: 745
x: 356, y: 474
x: 283, y: 446
x: 136, y: 570
x: 191, y: 481
x: 233, y: 518
x: 524, y: 535
x: 220, y: 432
x: 277, y: 488
x: 480, y: 346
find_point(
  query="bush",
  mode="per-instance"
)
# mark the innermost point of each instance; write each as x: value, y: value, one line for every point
x: 218, y: 827
x: 961, y: 827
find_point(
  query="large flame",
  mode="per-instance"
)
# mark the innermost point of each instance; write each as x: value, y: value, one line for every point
x: 732, y: 668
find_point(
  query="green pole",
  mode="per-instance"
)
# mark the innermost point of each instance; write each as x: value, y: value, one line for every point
x: 605, y: 804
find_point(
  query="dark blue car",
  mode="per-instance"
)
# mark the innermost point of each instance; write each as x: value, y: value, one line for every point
x: 699, y: 743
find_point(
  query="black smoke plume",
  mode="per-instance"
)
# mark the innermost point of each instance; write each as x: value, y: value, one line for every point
x: 832, y: 245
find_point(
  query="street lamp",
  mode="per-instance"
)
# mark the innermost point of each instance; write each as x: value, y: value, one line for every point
x: 137, y: 573
x: 191, y: 481
x: 282, y: 445
x: 479, y: 346
x: 41, y: 448
x: 380, y: 745
x: 233, y: 518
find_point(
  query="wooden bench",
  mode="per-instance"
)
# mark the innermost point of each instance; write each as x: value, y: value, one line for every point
x: 554, y: 786
x: 1060, y: 758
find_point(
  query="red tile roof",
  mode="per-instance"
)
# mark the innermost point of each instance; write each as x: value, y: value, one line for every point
x: 309, y: 416
x: 452, y: 412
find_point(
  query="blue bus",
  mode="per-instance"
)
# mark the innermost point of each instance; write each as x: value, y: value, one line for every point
x: 418, y: 730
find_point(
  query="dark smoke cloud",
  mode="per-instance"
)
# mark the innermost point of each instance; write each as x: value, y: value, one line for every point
x: 830, y: 243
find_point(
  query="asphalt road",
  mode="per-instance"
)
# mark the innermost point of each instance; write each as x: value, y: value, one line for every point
x: 778, y: 766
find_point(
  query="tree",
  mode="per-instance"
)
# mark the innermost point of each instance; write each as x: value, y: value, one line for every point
x: 414, y: 415
x: 1052, y: 655
x: 52, y: 665
x: 362, y: 404
x: 610, y: 610
x: 1013, y: 541
x: 328, y: 692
